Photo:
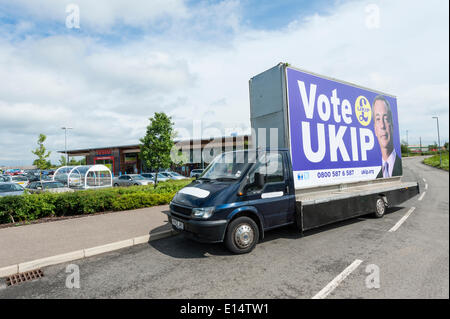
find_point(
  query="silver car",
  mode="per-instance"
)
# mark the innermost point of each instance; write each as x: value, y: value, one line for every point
x: 151, y: 176
x: 10, y: 189
x: 173, y: 175
x: 130, y: 180
x: 17, y: 179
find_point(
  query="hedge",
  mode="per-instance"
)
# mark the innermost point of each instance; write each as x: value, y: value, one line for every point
x: 29, y: 207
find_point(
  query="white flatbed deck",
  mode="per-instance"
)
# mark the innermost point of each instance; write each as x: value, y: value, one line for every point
x: 323, y: 194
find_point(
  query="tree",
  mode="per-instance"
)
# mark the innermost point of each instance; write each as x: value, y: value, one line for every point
x: 157, y: 143
x: 73, y: 162
x: 63, y: 160
x: 41, y: 162
x: 404, y: 148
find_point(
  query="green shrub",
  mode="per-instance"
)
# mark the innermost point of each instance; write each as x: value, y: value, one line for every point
x: 34, y: 206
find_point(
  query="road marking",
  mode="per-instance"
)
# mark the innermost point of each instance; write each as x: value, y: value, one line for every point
x: 426, y: 186
x: 401, y: 221
x: 337, y: 280
x: 421, y: 196
x: 424, y: 180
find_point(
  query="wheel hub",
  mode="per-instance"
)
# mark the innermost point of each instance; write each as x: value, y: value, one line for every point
x: 380, y: 206
x: 243, y: 236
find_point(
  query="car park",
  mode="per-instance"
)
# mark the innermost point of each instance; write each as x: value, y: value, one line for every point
x: 196, y: 173
x: 10, y: 189
x: 48, y: 186
x: 130, y: 180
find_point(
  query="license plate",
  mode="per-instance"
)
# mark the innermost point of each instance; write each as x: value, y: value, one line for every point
x: 177, y: 224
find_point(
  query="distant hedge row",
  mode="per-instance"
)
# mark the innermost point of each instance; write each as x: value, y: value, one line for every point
x: 34, y: 206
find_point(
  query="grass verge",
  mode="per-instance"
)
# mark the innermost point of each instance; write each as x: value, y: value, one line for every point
x: 434, y: 161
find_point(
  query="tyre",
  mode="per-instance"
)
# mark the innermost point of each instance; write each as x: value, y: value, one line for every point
x: 242, y: 235
x: 380, y: 208
x: 116, y: 185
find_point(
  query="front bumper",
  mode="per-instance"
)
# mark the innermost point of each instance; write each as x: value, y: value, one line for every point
x: 205, y: 231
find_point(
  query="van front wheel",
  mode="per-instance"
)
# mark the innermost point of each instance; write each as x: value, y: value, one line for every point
x: 242, y: 235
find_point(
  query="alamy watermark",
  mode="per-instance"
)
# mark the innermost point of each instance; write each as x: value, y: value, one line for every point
x: 372, y: 16
x: 373, y: 279
x: 73, y: 277
x: 200, y: 152
x: 73, y: 16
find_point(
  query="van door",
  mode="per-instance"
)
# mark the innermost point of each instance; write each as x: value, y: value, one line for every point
x: 267, y: 189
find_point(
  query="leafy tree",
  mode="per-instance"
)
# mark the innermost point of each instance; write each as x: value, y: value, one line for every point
x: 404, y: 148
x: 157, y: 143
x: 41, y: 162
x: 63, y: 160
x: 74, y: 162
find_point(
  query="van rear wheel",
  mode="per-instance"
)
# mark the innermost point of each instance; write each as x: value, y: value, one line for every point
x: 242, y: 235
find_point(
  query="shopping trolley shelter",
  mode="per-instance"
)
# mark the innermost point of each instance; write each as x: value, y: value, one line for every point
x: 84, y: 176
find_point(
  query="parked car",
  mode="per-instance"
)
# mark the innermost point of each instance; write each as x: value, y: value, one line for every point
x: 10, y: 189
x: 19, y: 179
x: 131, y: 179
x: 48, y: 186
x: 151, y: 176
x: 33, y: 175
x: 196, y: 173
x: 172, y: 175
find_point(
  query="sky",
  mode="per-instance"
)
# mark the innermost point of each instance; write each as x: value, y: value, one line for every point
x: 193, y: 59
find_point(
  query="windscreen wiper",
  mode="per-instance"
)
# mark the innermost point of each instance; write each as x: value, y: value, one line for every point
x: 222, y: 179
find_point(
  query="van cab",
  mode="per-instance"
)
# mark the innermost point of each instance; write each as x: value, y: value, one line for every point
x: 240, y: 195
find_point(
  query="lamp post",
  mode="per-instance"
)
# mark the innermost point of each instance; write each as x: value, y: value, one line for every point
x: 439, y: 141
x: 65, y: 128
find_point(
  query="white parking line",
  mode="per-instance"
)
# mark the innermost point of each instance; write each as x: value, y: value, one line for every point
x: 426, y: 186
x: 400, y: 222
x: 421, y: 196
x: 337, y: 280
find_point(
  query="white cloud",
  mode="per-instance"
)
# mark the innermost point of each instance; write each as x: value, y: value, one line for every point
x: 199, y: 67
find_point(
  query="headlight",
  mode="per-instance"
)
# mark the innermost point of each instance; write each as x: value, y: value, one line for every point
x: 202, y: 212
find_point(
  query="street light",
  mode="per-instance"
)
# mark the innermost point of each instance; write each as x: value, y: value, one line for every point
x: 65, y: 142
x: 439, y: 141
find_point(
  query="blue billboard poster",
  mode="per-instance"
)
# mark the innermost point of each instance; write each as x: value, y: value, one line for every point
x: 340, y: 132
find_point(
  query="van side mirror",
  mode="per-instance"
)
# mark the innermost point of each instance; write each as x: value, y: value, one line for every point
x: 259, y: 179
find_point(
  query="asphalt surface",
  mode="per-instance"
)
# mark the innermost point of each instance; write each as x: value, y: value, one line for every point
x: 413, y: 261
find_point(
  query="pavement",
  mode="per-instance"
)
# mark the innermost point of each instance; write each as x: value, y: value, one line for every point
x: 28, y: 243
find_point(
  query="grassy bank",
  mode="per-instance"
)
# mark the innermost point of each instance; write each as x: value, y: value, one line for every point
x: 434, y: 161
x: 29, y: 207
